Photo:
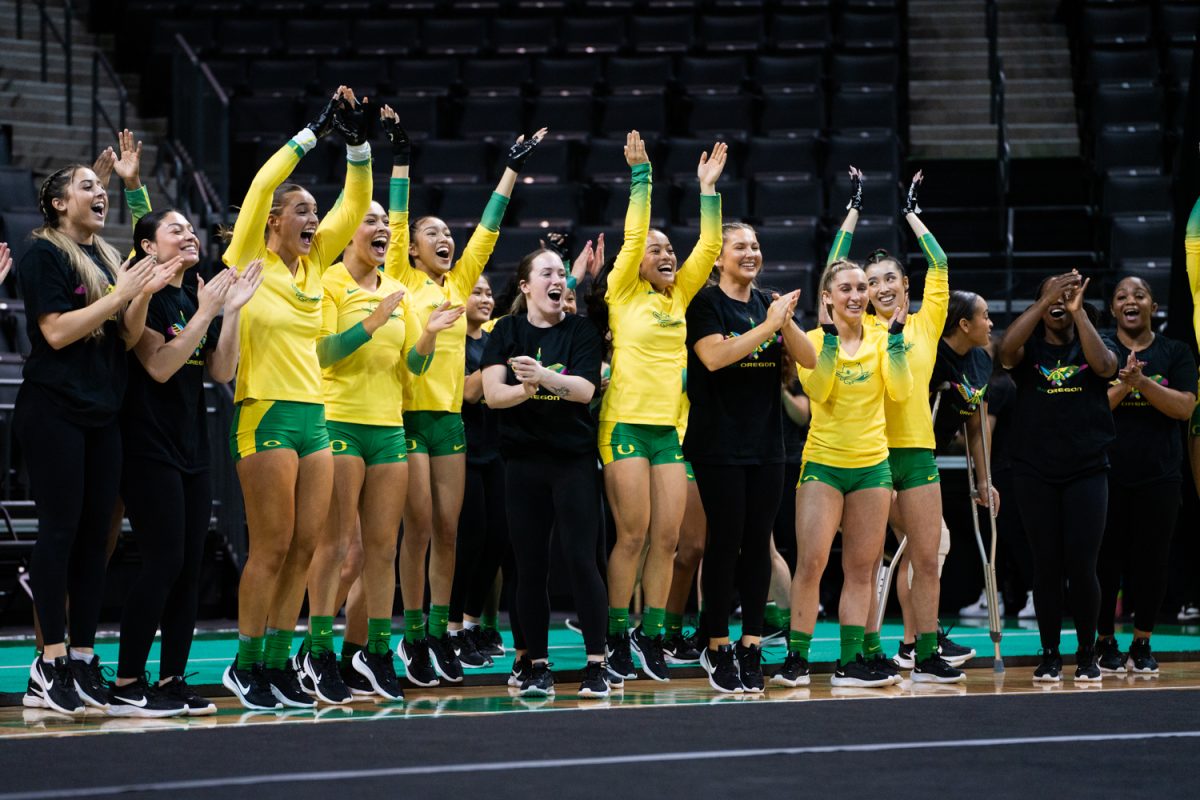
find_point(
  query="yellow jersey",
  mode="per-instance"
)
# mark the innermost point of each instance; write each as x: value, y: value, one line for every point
x: 1191, y: 247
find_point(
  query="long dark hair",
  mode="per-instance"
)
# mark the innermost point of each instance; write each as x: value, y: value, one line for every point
x: 147, y: 228
x: 962, y: 306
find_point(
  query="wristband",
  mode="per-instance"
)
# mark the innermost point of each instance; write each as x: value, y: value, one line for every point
x: 359, y: 153
x: 306, y: 139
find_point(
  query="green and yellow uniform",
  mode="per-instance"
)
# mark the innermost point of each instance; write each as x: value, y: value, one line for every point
x: 1191, y: 246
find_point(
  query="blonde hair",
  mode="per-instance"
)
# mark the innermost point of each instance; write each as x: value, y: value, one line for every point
x: 833, y: 268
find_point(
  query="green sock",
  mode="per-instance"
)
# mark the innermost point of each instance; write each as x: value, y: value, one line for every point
x: 490, y: 622
x: 652, y: 621
x: 799, y: 643
x: 278, y: 648
x: 414, y: 625
x: 871, y: 644
x: 672, y: 624
x: 439, y: 617
x: 771, y: 615
x: 927, y: 645
x: 618, y: 621
x: 250, y: 650
x: 320, y: 635
x: 852, y: 642
x: 379, y: 635
x: 348, y: 651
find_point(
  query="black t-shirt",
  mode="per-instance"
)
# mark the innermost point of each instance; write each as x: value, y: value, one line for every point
x: 546, y: 424
x: 1002, y: 401
x: 1149, y: 444
x: 966, y: 378
x: 86, y: 379
x: 794, y: 436
x: 737, y: 413
x: 1062, y: 426
x: 483, y: 438
x: 166, y: 422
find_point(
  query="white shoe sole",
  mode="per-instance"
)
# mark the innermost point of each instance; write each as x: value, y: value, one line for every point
x: 407, y: 660
x: 1047, y: 678
x: 708, y: 673
x: 956, y: 661
x: 127, y: 711
x: 229, y: 683
x: 859, y: 683
x: 641, y: 659
x: 779, y: 680
x: 537, y: 692
x: 590, y: 695
x: 359, y: 665
x: 925, y: 677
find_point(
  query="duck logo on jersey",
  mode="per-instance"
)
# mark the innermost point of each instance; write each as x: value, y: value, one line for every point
x: 970, y: 395
x: 666, y: 320
x: 1135, y: 395
x: 1059, y: 375
x: 176, y: 328
x: 304, y: 298
x: 371, y: 307
x: 852, y: 374
x: 758, y: 351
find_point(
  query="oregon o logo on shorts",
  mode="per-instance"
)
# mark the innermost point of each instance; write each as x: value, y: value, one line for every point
x: 625, y: 449
x: 412, y: 445
x: 338, y: 445
x: 272, y: 443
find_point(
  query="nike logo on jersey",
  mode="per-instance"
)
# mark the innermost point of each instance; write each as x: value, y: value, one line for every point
x: 351, y: 291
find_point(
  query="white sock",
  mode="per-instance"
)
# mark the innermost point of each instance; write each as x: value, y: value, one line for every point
x: 78, y: 656
x: 470, y: 625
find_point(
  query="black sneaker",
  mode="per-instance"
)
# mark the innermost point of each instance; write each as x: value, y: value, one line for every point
x: 90, y: 682
x: 250, y: 687
x: 357, y: 683
x: 955, y: 654
x: 379, y: 670
x: 1086, y: 668
x: 793, y: 673
x: 1141, y: 660
x: 487, y: 642
x: 650, y: 652
x: 417, y: 664
x: 593, y: 683
x: 681, y: 649
x: 322, y: 670
x: 749, y: 662
x: 772, y: 632
x: 905, y: 657
x: 721, y: 666
x: 881, y: 663
x: 936, y: 669
x: 468, y: 654
x: 445, y: 660
x: 522, y: 667
x: 138, y: 699
x: 859, y: 673
x: 540, y: 682
x: 618, y: 657
x: 1109, y: 656
x: 52, y: 685
x: 1049, y: 669
x: 285, y: 685
x: 177, y: 688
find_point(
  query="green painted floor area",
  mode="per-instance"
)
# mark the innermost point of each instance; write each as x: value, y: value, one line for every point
x: 212, y: 652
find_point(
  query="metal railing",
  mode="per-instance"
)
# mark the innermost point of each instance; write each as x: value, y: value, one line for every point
x: 200, y: 119
x: 47, y: 28
x: 99, y: 62
x: 998, y: 81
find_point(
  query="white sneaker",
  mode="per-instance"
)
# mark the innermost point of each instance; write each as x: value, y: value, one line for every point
x: 979, y: 609
x: 1028, y: 612
x: 1189, y: 612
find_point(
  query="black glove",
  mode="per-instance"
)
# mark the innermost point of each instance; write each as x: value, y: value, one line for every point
x: 897, y: 326
x: 401, y: 144
x: 910, y: 200
x: 556, y: 242
x: 323, y: 124
x: 350, y: 122
x: 830, y: 329
x: 856, y: 187
x: 519, y: 152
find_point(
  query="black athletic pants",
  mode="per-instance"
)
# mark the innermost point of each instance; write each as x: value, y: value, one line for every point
x: 482, y: 539
x: 785, y: 518
x: 169, y: 511
x: 541, y: 491
x: 74, y: 475
x: 1137, y: 542
x: 740, y: 502
x: 1065, y: 525
x: 1015, y: 567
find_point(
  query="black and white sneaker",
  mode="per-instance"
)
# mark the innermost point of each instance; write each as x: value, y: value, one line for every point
x: 285, y: 685
x: 1086, y: 668
x: 322, y: 670
x: 417, y: 663
x: 1141, y: 660
x: 881, y: 663
x: 793, y: 673
x: 52, y: 685
x: 594, y: 683
x: 521, y: 669
x: 358, y: 685
x: 379, y: 670
x: 860, y: 674
x: 138, y: 699
x: 540, y: 682
x: 1109, y: 656
x: 681, y: 649
x: 177, y: 688
x: 905, y: 657
x: 650, y: 653
x: 749, y: 662
x: 487, y: 642
x: 955, y: 654
x: 250, y: 687
x: 468, y: 654
x: 773, y: 633
x: 90, y: 683
x: 445, y: 660
x: 935, y: 669
x: 618, y: 656
x: 721, y: 666
x: 1188, y: 612
x: 1049, y: 669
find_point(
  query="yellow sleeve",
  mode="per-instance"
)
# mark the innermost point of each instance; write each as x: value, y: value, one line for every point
x: 935, y: 303
x: 818, y: 381
x: 1191, y: 247
x: 329, y: 312
x: 474, y: 258
x: 395, y: 263
x: 897, y: 377
x: 694, y: 273
x: 248, y: 241
x: 624, y: 276
x: 338, y: 226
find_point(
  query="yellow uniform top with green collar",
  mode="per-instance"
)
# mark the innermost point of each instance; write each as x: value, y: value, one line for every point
x: 649, y: 330
x: 441, y: 389
x: 280, y: 325
x: 1191, y: 247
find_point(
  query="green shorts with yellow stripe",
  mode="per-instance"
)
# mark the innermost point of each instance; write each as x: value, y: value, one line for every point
x: 260, y: 425
x: 912, y: 467
x: 374, y: 444
x: 1194, y: 425
x: 847, y: 479
x: 435, y: 433
x: 658, y: 444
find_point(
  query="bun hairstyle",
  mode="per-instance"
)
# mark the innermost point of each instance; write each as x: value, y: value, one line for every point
x: 146, y: 228
x: 830, y: 272
x: 225, y: 233
x: 962, y: 306
x: 524, y: 270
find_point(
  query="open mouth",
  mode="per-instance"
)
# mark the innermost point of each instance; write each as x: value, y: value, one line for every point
x: 190, y: 250
x: 886, y: 298
x: 99, y: 208
x: 379, y: 246
x: 443, y: 252
x: 666, y: 269
x: 1132, y: 313
x: 1058, y: 312
x: 306, y: 236
x: 555, y: 294
x: 853, y: 308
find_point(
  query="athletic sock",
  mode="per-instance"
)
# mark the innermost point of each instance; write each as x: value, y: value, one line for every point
x: 278, y: 648
x: 799, y: 643
x: 379, y: 635
x: 320, y: 635
x: 414, y: 625
x: 652, y: 621
x: 871, y: 644
x: 771, y: 615
x: 852, y: 642
x: 348, y: 651
x: 783, y: 618
x: 618, y: 621
x: 672, y: 624
x: 78, y: 656
x: 439, y: 618
x: 490, y: 622
x: 250, y: 650
x: 927, y: 645
x: 468, y: 625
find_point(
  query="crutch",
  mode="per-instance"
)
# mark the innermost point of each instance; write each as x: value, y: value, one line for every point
x: 986, y: 555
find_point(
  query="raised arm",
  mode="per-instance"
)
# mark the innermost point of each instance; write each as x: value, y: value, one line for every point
x: 841, y: 241
x: 338, y: 225
x: 1103, y: 360
x: 694, y: 272
x: 1012, y: 346
x: 623, y: 278
x: 935, y: 302
x: 222, y: 362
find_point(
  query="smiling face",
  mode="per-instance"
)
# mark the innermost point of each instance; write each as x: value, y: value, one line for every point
x: 480, y: 303
x: 371, y: 238
x: 174, y: 236
x: 847, y: 294
x: 570, y: 302
x: 887, y: 286
x: 1133, y: 305
x: 293, y: 224
x: 658, y: 262
x: 84, y: 202
x: 740, y: 259
x: 545, y: 286
x: 978, y: 327
x: 432, y: 246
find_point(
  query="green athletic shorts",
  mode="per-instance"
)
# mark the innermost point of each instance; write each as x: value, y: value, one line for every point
x: 374, y: 444
x: 847, y: 479
x: 277, y: 425
x: 658, y: 444
x: 1194, y: 427
x: 912, y: 467
x: 438, y: 433
x: 687, y: 465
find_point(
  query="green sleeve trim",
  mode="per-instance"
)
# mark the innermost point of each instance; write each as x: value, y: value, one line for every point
x: 138, y: 202
x: 493, y: 213
x: 1193, y: 223
x: 417, y: 363
x: 297, y: 148
x: 841, y: 246
x: 335, y: 347
x: 640, y: 173
x: 398, y: 195
x: 830, y: 343
x: 895, y: 345
x: 354, y: 163
x: 571, y: 282
x: 934, y: 255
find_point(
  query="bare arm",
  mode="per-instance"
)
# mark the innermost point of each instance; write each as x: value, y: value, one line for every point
x: 799, y: 346
x: 473, y: 387
x: 717, y: 352
x: 497, y: 391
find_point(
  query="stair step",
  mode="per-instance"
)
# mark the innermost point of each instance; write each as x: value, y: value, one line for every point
x: 925, y: 133
x: 958, y: 44
x: 953, y: 149
x: 1044, y: 149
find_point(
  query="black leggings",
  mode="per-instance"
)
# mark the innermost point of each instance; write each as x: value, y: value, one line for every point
x: 785, y: 519
x: 1137, y: 541
x: 482, y: 539
x: 1015, y: 560
x: 169, y: 512
x: 541, y: 491
x: 1065, y: 524
x: 74, y: 475
x: 740, y: 502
